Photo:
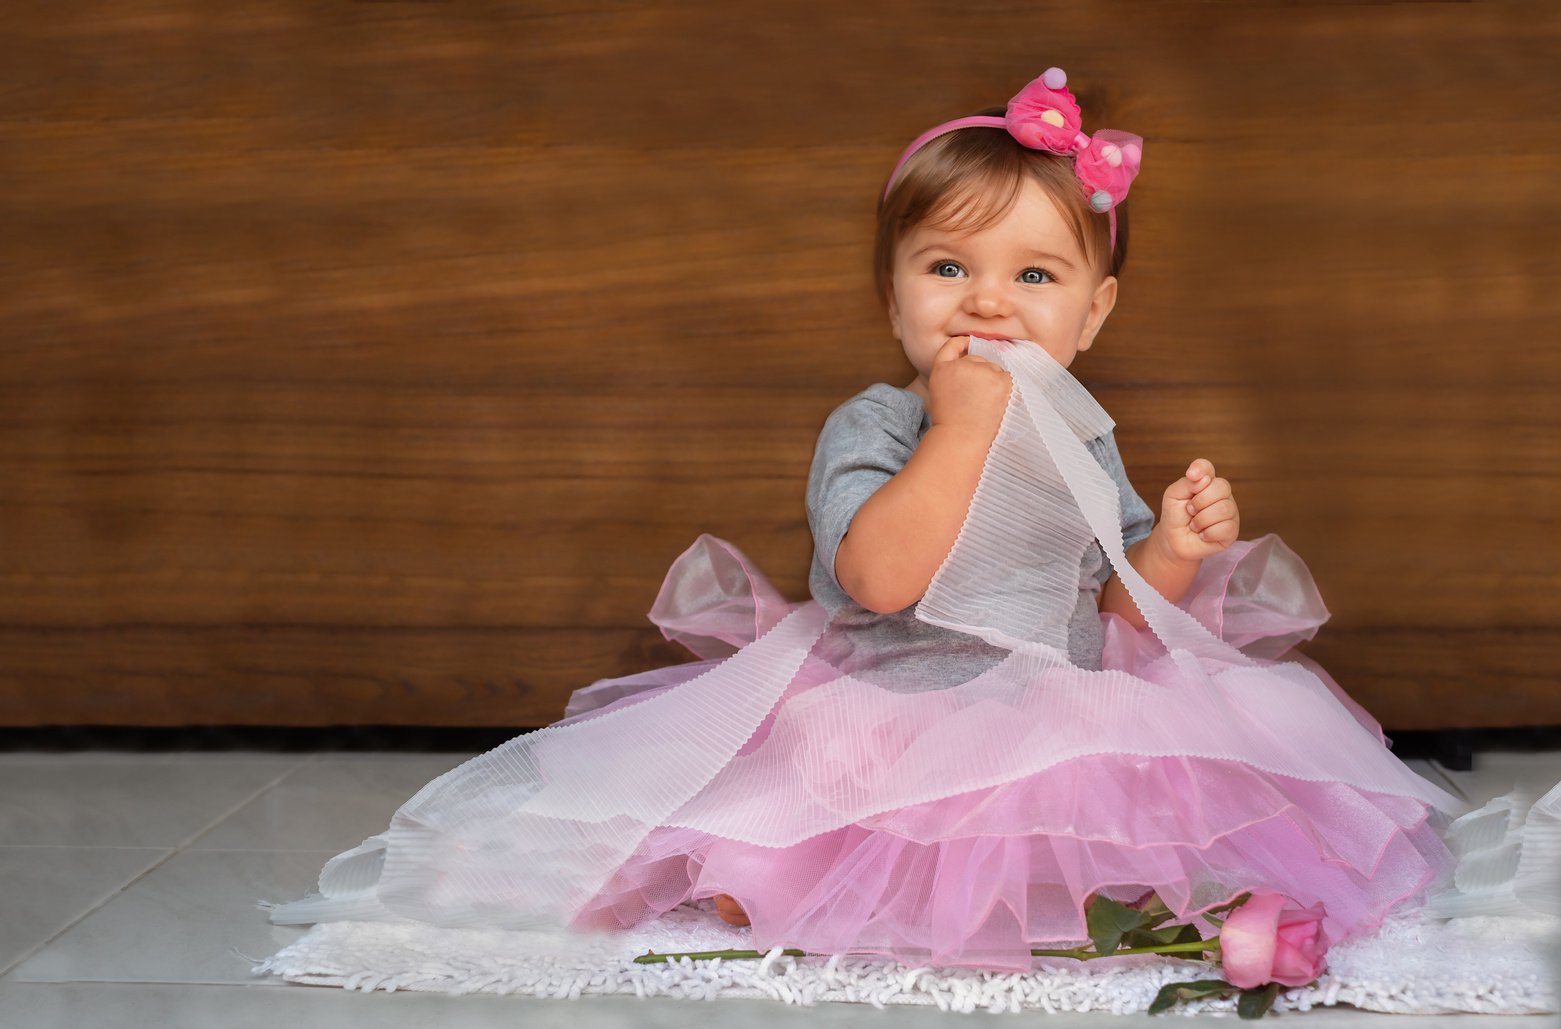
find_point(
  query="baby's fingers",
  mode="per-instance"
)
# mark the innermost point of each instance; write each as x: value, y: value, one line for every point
x: 1214, y: 514
x: 1199, y: 474
x: 953, y: 350
x: 1212, y: 492
x: 1222, y: 532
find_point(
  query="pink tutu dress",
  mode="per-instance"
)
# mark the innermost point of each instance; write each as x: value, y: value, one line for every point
x: 961, y: 825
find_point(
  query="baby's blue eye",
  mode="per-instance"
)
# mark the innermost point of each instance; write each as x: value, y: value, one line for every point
x: 1032, y: 276
x: 946, y: 269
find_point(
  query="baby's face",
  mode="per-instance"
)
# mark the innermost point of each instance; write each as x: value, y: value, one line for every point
x: 1022, y: 277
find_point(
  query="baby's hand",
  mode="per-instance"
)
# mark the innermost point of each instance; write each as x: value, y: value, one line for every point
x: 1198, y: 516
x: 967, y: 391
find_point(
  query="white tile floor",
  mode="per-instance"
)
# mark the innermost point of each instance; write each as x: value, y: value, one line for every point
x: 129, y: 881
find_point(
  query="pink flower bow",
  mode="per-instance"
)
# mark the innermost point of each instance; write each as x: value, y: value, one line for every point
x: 1044, y: 116
x: 1107, y: 167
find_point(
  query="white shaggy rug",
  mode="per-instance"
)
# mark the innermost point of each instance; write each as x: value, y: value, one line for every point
x: 1411, y: 965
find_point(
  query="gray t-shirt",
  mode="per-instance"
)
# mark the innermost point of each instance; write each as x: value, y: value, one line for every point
x: 864, y: 443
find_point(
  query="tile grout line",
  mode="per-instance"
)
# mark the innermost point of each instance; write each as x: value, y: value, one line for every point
x: 167, y: 855
x: 184, y: 844
x: 68, y: 926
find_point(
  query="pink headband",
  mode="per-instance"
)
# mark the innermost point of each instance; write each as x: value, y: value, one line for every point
x: 1044, y: 116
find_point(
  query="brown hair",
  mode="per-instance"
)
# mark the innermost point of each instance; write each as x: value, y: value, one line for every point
x: 969, y: 178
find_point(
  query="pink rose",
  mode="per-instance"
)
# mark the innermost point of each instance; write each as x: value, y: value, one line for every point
x: 1271, y: 939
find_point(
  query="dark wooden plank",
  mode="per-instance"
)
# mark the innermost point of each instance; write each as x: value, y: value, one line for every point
x: 252, y: 674
x: 316, y: 674
x: 1416, y: 678
x: 561, y: 552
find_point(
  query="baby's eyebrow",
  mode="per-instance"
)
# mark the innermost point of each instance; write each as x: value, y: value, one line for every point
x: 937, y: 245
x: 1041, y: 255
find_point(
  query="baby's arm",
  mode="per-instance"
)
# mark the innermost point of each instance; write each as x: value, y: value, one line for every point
x: 1198, y: 518
x: 1169, y: 575
x: 903, y: 532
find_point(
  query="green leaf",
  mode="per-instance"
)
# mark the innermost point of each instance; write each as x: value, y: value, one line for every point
x: 1230, y: 906
x: 1147, y: 937
x: 1254, y: 1003
x: 1171, y: 993
x: 1108, y: 921
x: 1155, y: 911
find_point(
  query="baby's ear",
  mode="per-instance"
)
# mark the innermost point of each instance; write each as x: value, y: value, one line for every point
x: 894, y: 313
x: 1100, y: 306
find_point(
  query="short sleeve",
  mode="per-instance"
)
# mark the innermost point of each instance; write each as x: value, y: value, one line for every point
x: 1137, y: 517
x: 864, y: 443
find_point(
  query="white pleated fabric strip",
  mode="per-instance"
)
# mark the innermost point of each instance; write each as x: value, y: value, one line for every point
x: 1012, y: 576
x: 1049, y: 413
x: 1509, y: 858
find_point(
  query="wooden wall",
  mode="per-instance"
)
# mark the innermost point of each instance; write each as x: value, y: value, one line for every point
x: 369, y: 362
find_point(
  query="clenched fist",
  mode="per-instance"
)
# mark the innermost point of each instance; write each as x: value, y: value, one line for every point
x: 967, y: 391
x: 1198, y: 515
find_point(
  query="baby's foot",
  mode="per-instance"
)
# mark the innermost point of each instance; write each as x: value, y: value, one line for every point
x: 731, y: 912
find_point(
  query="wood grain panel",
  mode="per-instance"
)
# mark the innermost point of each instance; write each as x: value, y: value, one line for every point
x: 321, y: 675
x: 380, y: 356
x: 317, y: 675
x: 1420, y: 679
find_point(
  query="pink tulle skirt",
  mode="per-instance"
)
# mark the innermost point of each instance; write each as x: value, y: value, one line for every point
x: 966, y: 826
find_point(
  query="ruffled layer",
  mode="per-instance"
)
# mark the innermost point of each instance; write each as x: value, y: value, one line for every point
x: 979, y: 879
x: 965, y: 826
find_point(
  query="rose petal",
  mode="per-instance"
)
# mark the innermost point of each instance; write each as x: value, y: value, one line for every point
x: 1300, y: 945
x: 1248, y: 938
x: 1294, y: 955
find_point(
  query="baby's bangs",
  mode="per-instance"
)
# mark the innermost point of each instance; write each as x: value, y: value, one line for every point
x: 976, y: 201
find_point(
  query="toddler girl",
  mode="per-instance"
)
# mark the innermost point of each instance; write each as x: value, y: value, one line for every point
x: 1014, y: 689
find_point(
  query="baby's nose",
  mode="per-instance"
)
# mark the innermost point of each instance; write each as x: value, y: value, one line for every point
x: 986, y: 298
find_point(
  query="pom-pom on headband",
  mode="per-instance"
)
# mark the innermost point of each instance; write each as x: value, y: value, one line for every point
x: 1044, y: 116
